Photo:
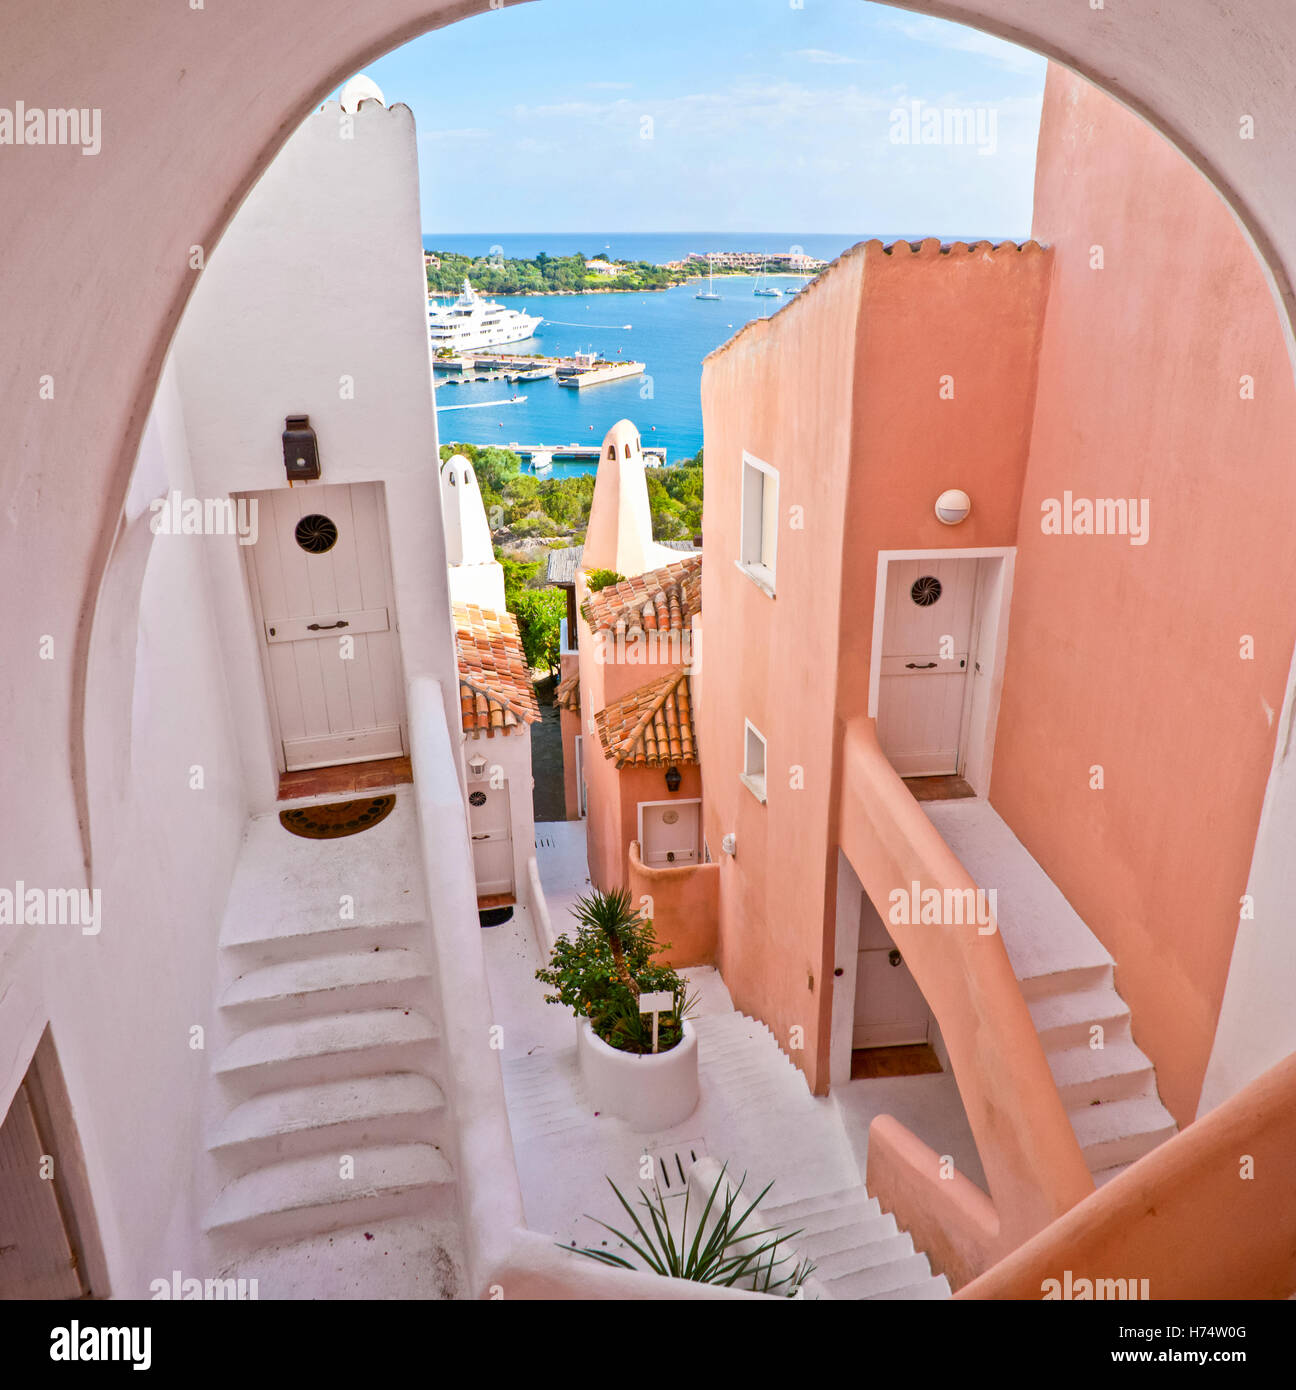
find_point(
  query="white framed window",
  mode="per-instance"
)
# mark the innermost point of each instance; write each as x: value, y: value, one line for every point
x: 753, y: 773
x: 758, y: 554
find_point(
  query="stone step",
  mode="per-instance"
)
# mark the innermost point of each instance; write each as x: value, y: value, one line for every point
x: 847, y: 1200
x: 1065, y: 1019
x: 277, y: 1056
x: 333, y: 1115
x: 1118, y: 1071
x: 1035, y: 988
x: 371, y: 978
x: 829, y: 1239
x: 1120, y: 1131
x: 879, y: 1279
x: 308, y: 1196
x: 935, y: 1286
x: 869, y: 1255
x: 307, y: 937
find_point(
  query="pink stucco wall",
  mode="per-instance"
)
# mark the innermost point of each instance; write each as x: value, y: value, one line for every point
x: 614, y: 794
x: 1129, y: 656
x: 841, y: 392
x: 782, y: 390
x: 569, y: 729
x: 683, y: 904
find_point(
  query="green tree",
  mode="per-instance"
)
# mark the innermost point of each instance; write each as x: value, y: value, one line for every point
x: 540, y: 613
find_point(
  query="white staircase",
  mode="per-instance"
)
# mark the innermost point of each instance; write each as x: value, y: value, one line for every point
x: 1109, y: 1091
x: 855, y: 1248
x: 328, y: 1113
x: 1106, y: 1083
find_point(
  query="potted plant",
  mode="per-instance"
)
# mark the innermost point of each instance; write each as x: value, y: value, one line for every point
x: 600, y: 974
x: 723, y: 1249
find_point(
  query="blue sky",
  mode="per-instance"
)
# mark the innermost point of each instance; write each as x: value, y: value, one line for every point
x: 764, y: 117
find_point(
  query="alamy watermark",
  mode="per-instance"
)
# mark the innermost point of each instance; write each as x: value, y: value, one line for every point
x: 177, y: 515
x: 944, y: 907
x: 21, y: 906
x: 1099, y: 1290
x: 214, y: 1290
x: 36, y: 125
x: 920, y: 124
x: 1097, y: 516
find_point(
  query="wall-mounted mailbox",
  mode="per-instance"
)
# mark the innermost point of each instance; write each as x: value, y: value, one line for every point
x: 301, y: 450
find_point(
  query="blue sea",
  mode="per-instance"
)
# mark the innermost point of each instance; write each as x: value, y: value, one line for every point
x: 670, y: 331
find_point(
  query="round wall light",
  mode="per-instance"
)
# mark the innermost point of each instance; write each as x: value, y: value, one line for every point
x: 952, y: 507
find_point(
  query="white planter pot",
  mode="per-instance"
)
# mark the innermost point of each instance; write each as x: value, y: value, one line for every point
x: 650, y: 1091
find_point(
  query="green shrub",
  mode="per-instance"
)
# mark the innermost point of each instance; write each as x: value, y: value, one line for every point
x: 600, y: 579
x: 600, y: 973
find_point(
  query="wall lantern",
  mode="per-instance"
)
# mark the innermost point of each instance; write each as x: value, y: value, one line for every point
x: 477, y: 765
x: 729, y: 845
x: 953, y: 506
x: 301, y: 450
x: 672, y: 779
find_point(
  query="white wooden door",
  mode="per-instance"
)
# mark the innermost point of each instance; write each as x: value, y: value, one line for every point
x: 926, y: 660
x: 492, y: 838
x: 36, y: 1256
x: 321, y: 580
x: 582, y: 796
x: 890, y: 1010
x: 669, y: 833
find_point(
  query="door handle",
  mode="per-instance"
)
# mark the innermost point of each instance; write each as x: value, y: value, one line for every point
x: 895, y: 957
x: 913, y: 666
x: 328, y: 627
x: 481, y: 837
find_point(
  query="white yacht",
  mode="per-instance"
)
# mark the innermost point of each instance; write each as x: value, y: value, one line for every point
x: 472, y: 323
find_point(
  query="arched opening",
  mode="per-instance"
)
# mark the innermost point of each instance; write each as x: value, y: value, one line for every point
x: 130, y: 398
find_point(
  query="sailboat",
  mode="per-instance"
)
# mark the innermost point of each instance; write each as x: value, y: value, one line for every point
x: 763, y: 286
x: 709, y: 292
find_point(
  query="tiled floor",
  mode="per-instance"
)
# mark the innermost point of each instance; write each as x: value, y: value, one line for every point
x: 346, y: 780
x: 938, y: 788
x: 918, y: 1060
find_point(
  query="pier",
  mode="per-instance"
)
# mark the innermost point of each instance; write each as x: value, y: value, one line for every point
x: 580, y: 370
x: 654, y: 456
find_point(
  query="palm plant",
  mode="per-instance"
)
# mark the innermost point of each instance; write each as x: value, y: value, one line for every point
x: 725, y: 1256
x: 601, y: 972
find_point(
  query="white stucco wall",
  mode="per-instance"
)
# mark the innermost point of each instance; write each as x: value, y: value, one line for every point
x: 319, y: 279
x: 316, y: 304
x: 511, y: 754
x: 167, y: 809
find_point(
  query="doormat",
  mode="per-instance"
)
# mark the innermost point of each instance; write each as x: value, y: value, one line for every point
x: 338, y: 818
x: 918, y: 1059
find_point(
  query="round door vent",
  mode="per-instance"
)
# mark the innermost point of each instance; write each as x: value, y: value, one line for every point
x: 925, y: 591
x: 476, y: 798
x: 670, y: 817
x: 316, y: 534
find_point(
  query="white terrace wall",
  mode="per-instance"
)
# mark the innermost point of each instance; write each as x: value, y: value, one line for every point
x: 167, y: 809
x: 319, y: 279
x: 316, y: 303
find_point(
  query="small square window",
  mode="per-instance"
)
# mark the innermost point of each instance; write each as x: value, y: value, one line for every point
x: 753, y: 773
x: 759, y: 541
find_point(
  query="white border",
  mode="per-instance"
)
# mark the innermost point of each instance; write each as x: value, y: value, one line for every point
x: 765, y: 576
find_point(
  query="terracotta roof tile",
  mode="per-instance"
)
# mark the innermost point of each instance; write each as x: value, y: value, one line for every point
x: 663, y: 600
x: 652, y: 726
x: 495, y: 690
x: 567, y: 696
